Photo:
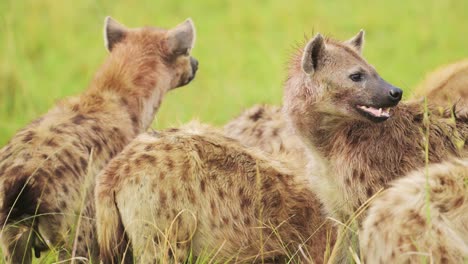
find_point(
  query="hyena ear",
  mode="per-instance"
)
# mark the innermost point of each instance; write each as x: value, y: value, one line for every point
x: 357, y: 42
x: 181, y: 39
x: 313, y: 51
x: 114, y: 32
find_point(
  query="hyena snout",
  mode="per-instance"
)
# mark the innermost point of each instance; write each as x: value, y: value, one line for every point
x: 387, y: 95
x: 194, y: 65
x: 384, y: 97
x: 395, y: 94
x: 189, y: 72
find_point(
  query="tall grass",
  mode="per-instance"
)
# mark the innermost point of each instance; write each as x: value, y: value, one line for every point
x: 51, y: 49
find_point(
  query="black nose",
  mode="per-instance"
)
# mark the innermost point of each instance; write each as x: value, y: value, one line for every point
x: 395, y: 94
x: 194, y: 64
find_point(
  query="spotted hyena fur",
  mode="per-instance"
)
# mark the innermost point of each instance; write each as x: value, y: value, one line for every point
x: 47, y: 170
x: 360, y: 158
x: 421, y: 218
x: 265, y: 127
x: 352, y: 157
x: 446, y: 85
x: 195, y: 190
x: 162, y: 179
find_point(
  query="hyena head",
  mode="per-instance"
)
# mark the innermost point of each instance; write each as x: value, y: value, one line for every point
x: 334, y: 77
x: 159, y: 57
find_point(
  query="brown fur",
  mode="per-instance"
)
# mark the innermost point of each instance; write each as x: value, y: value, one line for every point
x: 354, y: 157
x: 360, y: 156
x: 47, y: 170
x: 265, y: 127
x: 195, y: 187
x: 443, y: 87
x: 340, y: 134
x: 446, y: 85
x: 421, y: 218
x: 269, y: 131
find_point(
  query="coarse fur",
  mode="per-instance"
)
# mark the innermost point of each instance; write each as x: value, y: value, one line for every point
x: 48, y: 169
x: 376, y: 155
x: 199, y: 190
x: 446, y: 85
x: 421, y: 218
x: 358, y: 155
x: 265, y: 127
x: 361, y: 155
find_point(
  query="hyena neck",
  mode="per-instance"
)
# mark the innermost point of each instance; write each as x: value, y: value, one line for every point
x: 136, y: 81
x: 310, y: 116
x: 346, y: 153
x: 362, y: 157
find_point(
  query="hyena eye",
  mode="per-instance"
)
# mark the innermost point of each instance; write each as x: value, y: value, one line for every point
x: 356, y: 77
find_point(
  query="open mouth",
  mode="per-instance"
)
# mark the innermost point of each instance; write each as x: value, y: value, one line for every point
x: 373, y: 113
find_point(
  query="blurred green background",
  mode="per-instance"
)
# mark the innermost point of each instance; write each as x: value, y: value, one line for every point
x: 50, y: 49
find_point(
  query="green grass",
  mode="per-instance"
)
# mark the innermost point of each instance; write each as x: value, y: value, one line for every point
x: 51, y: 49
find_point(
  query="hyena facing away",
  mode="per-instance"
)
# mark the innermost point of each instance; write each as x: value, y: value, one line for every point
x: 47, y: 170
x: 421, y: 218
x: 195, y: 190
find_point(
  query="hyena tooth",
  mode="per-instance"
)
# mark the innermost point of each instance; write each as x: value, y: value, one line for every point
x: 380, y: 111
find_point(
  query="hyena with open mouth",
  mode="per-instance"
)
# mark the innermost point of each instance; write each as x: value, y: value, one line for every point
x: 194, y: 190
x: 265, y: 126
x: 47, y: 170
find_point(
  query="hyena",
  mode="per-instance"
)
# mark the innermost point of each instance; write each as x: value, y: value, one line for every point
x: 193, y: 187
x: 446, y: 85
x: 47, y: 170
x: 265, y: 127
x: 352, y: 125
x: 349, y: 120
x: 421, y: 218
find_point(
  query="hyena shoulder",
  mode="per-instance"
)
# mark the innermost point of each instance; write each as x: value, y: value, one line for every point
x: 422, y: 216
x: 446, y: 85
x: 265, y: 127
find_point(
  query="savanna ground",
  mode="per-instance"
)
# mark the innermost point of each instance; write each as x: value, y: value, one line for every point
x: 51, y: 49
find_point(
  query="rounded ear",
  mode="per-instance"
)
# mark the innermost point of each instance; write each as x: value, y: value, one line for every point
x: 181, y: 39
x: 357, y: 42
x: 114, y: 32
x: 313, y: 51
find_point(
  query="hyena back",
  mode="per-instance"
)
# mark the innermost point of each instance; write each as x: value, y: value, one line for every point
x: 194, y: 190
x: 421, y: 218
x: 265, y: 127
x: 47, y: 170
x: 446, y: 85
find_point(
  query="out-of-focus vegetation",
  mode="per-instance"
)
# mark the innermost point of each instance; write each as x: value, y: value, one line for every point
x: 51, y: 49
